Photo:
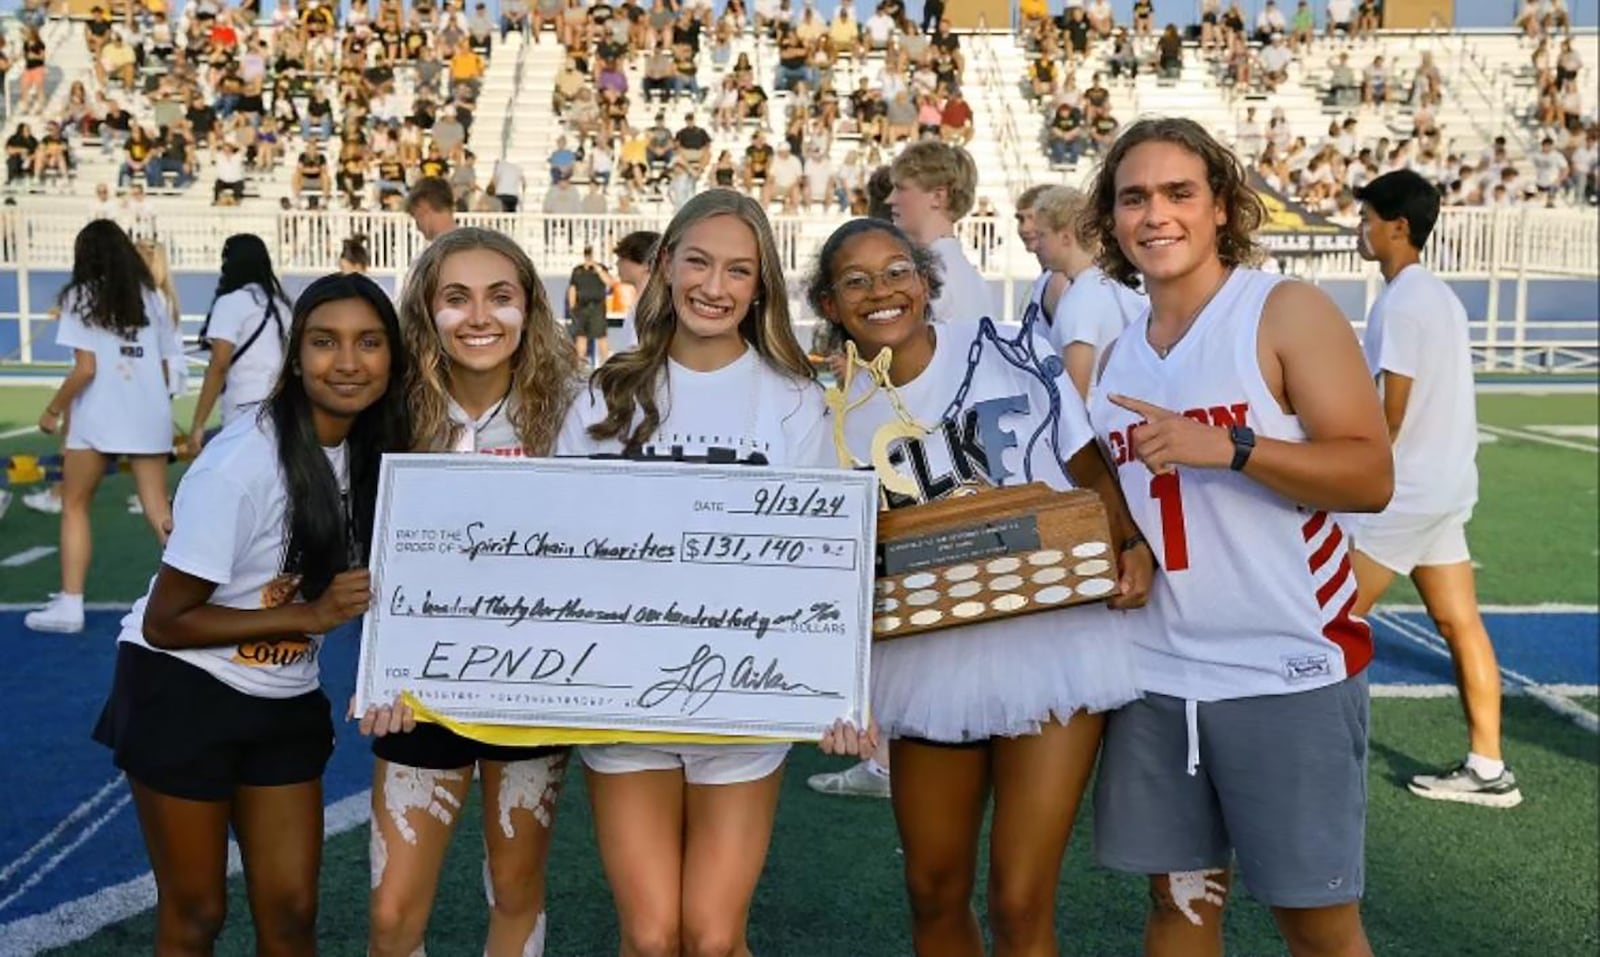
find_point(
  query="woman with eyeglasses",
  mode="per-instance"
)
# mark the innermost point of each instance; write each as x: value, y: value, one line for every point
x: 1010, y: 708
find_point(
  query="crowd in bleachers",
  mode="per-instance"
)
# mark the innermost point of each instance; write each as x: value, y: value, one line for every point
x: 351, y: 104
x: 660, y: 98
x: 718, y: 121
x: 1247, y: 60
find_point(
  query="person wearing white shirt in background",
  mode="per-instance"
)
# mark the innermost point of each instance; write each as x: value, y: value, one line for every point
x: 244, y: 330
x: 821, y: 185
x: 104, y: 206
x: 229, y: 171
x: 634, y: 257
x: 1550, y: 169
x: 1047, y: 289
x: 121, y: 336
x: 1269, y: 21
x: 506, y: 184
x: 1339, y: 14
x: 879, y: 29
x: 1094, y: 310
x: 1418, y: 349
x: 935, y: 184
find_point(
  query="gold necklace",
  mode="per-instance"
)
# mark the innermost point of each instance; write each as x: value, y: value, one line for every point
x: 1166, y: 350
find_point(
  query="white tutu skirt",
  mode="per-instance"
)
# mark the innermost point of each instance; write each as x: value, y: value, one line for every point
x: 1004, y: 678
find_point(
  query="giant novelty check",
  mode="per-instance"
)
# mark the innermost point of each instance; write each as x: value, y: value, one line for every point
x: 605, y: 594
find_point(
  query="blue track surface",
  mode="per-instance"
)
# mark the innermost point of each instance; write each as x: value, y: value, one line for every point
x: 55, y: 684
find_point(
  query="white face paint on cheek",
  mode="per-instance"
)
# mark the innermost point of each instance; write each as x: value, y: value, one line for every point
x: 509, y: 316
x: 448, y: 318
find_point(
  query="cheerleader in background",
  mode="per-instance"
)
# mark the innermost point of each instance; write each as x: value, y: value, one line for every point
x: 1012, y: 707
x: 118, y: 328
x: 215, y: 713
x: 244, y: 332
x: 1094, y: 310
x: 492, y: 373
x: 683, y: 830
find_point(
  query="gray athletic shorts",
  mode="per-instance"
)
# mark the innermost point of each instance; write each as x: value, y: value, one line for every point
x: 1281, y: 783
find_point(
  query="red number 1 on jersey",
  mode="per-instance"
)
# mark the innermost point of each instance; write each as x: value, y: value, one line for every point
x: 1166, y: 490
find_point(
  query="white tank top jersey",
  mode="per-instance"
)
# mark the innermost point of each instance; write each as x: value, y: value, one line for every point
x: 1255, y: 593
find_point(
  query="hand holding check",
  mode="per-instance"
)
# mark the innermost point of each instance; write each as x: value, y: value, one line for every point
x: 1167, y: 439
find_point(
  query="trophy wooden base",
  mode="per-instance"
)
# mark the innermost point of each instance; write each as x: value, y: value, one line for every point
x: 993, y: 554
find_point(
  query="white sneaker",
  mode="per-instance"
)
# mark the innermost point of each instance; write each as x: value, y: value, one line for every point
x: 44, y: 501
x: 59, y: 615
x: 858, y: 780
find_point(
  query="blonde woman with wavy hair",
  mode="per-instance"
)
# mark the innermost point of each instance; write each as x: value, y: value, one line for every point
x: 718, y: 377
x: 491, y: 373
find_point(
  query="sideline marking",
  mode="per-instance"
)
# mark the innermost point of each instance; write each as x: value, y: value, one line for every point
x: 61, y: 855
x: 1590, y: 432
x: 1450, y: 691
x: 27, y: 556
x: 1424, y: 638
x: 1506, y: 433
x: 17, y: 433
x: 55, y: 832
x: 81, y: 918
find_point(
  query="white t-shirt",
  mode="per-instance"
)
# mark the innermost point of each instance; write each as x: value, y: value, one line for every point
x: 235, y: 317
x: 228, y: 528
x: 785, y: 170
x: 819, y: 175
x: 1549, y: 169
x: 1418, y: 329
x: 1339, y: 10
x: 966, y: 295
x: 1094, y: 309
x: 126, y: 407
x: 746, y: 410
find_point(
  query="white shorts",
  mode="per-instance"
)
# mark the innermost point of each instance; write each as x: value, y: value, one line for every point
x: 1401, y: 543
x: 700, y: 763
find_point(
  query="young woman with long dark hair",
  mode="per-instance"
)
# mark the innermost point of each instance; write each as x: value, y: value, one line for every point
x: 116, y: 323
x: 244, y: 332
x: 492, y: 373
x: 215, y: 713
x: 717, y: 374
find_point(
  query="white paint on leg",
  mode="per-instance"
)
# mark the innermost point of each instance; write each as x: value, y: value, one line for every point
x: 535, y: 944
x: 488, y: 880
x: 534, y: 784
x: 1191, y: 887
x: 377, y: 855
x: 406, y: 789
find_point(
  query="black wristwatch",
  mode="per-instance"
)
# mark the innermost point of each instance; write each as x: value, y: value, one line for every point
x: 1244, y: 442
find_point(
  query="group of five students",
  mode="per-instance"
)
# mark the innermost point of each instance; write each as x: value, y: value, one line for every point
x: 271, y: 529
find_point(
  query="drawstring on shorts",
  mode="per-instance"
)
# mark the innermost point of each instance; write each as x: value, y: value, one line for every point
x: 1191, y: 720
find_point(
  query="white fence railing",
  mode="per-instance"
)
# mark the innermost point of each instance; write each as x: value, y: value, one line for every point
x: 1518, y: 245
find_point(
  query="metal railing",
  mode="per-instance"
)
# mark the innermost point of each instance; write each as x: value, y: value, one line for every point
x: 1503, y: 246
